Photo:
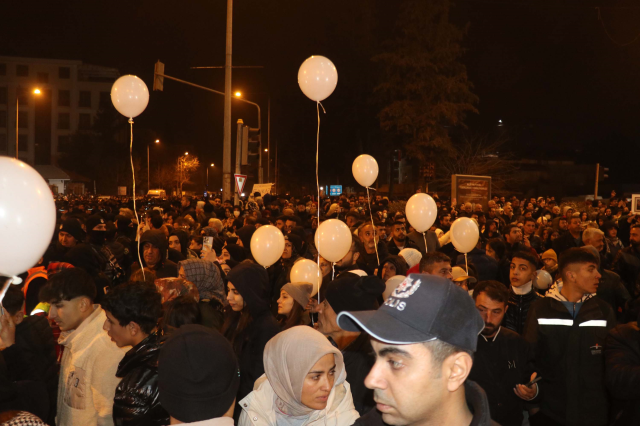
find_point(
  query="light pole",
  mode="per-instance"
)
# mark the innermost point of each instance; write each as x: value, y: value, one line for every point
x: 148, y: 169
x: 238, y: 95
x: 35, y: 92
x: 208, y: 176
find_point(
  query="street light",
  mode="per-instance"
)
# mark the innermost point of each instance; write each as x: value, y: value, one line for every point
x: 36, y: 91
x: 208, y: 176
x: 186, y: 153
x: 148, y: 169
x: 238, y: 94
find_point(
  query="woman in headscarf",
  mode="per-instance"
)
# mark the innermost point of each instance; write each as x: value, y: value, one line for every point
x: 304, y: 383
x: 294, y: 298
x: 179, y: 240
x: 206, y: 276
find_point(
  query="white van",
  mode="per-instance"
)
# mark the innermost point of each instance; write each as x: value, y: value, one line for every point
x: 157, y: 193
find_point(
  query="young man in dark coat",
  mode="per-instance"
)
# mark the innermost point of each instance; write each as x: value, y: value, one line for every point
x: 133, y: 311
x: 521, y: 293
x: 153, y: 251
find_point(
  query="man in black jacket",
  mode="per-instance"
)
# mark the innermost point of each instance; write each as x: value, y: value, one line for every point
x: 521, y: 293
x: 567, y: 329
x: 627, y: 262
x: 133, y: 311
x: 503, y: 360
x: 571, y: 238
x: 153, y: 251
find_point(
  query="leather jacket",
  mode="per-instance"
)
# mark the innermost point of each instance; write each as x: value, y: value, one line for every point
x: 137, y: 399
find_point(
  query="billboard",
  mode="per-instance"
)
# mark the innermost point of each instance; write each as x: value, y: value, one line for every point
x: 471, y: 189
x: 335, y: 190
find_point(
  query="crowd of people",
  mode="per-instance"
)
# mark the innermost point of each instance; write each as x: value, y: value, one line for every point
x: 161, y: 316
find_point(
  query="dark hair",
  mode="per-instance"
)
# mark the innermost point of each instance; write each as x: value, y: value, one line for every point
x: 507, y: 229
x: 294, y: 318
x: 432, y: 258
x: 397, y: 222
x: 352, y: 214
x: 634, y: 226
x: 572, y: 256
x: 526, y: 256
x: 13, y: 300
x: 68, y: 284
x: 134, y: 302
x: 156, y: 220
x: 198, y: 239
x: 148, y: 277
x: 495, y: 290
x: 180, y: 311
x: 529, y: 219
x: 441, y: 350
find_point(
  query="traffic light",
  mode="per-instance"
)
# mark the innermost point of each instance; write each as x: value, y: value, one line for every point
x: 395, y: 166
x: 250, y: 145
x: 604, y: 173
x: 158, y: 76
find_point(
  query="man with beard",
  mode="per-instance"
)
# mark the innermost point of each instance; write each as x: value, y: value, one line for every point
x: 368, y: 255
x: 399, y: 239
x: 503, y: 360
x: 627, y: 262
x: 70, y: 235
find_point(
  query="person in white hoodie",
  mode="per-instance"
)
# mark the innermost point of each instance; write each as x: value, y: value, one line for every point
x: 87, y: 380
x: 304, y: 383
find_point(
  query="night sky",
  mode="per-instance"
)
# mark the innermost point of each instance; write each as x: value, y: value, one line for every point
x: 563, y: 88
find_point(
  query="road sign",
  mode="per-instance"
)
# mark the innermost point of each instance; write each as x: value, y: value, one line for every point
x: 335, y: 190
x: 240, y: 181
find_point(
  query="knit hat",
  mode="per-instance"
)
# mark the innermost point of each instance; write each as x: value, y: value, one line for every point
x: 350, y: 292
x: 295, y: 241
x: 72, y: 227
x: 550, y: 254
x: 93, y: 221
x: 198, y: 375
x: 301, y: 292
x: 411, y: 256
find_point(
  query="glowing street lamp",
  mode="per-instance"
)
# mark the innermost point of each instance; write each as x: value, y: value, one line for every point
x: 238, y: 94
x: 36, y: 91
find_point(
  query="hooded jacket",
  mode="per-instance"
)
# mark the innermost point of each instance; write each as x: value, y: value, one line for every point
x: 251, y: 281
x: 568, y: 344
x: 165, y: 268
x: 137, y: 400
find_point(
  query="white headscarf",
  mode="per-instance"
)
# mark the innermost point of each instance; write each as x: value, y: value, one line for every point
x: 288, y: 358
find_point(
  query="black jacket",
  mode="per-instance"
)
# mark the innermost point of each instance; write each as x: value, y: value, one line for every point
x: 499, y: 364
x: 516, y: 316
x: 627, y: 265
x: 137, y: 399
x: 486, y: 266
x: 569, y: 357
x: 565, y: 242
x: 394, y: 250
x: 612, y: 291
x: 622, y: 372
x: 476, y: 401
x: 165, y: 268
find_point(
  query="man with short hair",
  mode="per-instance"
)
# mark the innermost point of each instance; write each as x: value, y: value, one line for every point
x: 349, y: 261
x: 153, y: 251
x: 530, y: 239
x: 354, y: 293
x: 369, y: 240
x: 522, y: 269
x: 423, y: 337
x: 571, y: 238
x: 198, y: 377
x: 627, y: 262
x: 399, y: 239
x: 567, y: 329
x: 503, y: 360
x: 87, y: 379
x: 133, y: 311
x: 436, y: 263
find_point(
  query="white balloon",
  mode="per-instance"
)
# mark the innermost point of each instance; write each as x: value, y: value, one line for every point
x: 542, y: 279
x: 307, y: 271
x: 464, y: 234
x: 421, y: 211
x: 267, y: 245
x: 333, y: 239
x: 365, y: 170
x: 27, y: 216
x: 130, y: 95
x: 317, y: 78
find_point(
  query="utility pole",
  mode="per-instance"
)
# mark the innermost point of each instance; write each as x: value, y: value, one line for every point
x: 269, y: 140
x: 595, y: 196
x: 236, y: 198
x: 226, y: 151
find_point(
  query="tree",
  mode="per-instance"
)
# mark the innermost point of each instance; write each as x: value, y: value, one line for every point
x: 164, y: 176
x: 424, y: 90
x: 185, y: 166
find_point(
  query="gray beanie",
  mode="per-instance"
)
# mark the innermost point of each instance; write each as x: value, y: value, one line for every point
x: 301, y: 292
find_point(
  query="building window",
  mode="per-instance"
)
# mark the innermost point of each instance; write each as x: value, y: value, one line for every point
x: 23, y: 120
x: 85, y: 99
x: 3, y: 69
x: 43, y: 77
x: 23, y: 142
x: 63, y: 121
x: 105, y: 99
x: 63, y: 142
x: 84, y: 122
x: 3, y: 120
x: 22, y: 70
x: 3, y: 95
x: 64, y: 72
x: 3, y: 142
x: 64, y: 98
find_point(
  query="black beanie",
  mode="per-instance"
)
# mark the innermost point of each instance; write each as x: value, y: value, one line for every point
x: 72, y: 227
x: 296, y: 241
x: 351, y: 292
x: 93, y: 221
x: 198, y: 375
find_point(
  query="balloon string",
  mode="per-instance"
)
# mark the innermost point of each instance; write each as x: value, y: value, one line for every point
x: 375, y: 233
x: 424, y: 235
x: 466, y: 265
x: 135, y: 210
x: 318, y: 105
x: 5, y: 287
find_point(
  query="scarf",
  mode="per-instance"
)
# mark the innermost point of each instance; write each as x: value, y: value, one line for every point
x: 287, y: 363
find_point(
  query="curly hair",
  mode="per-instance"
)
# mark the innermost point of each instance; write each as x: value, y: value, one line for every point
x: 134, y: 302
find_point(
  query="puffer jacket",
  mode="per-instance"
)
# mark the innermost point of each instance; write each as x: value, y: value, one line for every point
x: 258, y: 408
x: 137, y: 400
x: 516, y: 315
